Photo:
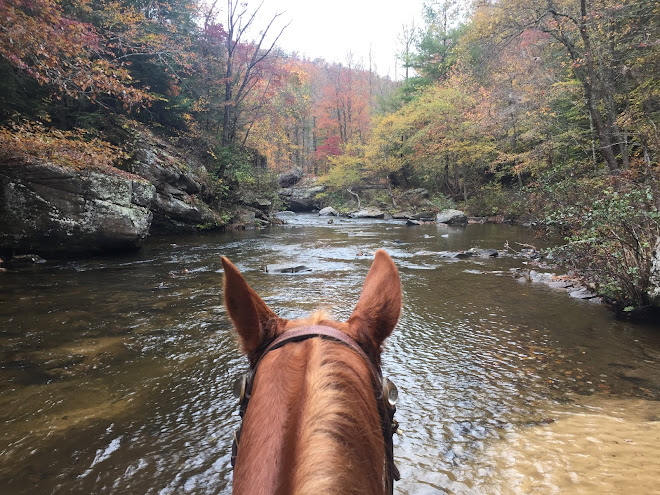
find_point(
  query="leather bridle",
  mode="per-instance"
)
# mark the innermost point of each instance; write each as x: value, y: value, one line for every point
x: 385, y: 391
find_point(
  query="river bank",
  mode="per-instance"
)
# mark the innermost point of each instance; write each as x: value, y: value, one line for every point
x: 51, y: 210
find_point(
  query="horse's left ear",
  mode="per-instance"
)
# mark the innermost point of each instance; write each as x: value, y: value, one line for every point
x: 379, y: 306
x: 254, y: 321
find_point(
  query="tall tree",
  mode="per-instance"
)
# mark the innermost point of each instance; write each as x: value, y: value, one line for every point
x: 597, y: 38
x: 243, y: 60
x: 406, y: 40
x: 437, y: 40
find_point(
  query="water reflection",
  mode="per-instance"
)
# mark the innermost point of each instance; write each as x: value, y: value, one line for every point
x: 116, y: 373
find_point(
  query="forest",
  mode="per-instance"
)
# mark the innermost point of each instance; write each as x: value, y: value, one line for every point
x: 543, y: 112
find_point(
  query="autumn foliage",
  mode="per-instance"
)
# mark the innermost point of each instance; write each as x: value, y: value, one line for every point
x: 59, y: 49
x: 514, y: 108
x: 33, y: 142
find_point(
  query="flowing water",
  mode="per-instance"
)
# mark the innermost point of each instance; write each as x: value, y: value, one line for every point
x: 116, y: 373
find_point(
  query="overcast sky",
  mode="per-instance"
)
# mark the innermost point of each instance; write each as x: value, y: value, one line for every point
x: 330, y: 29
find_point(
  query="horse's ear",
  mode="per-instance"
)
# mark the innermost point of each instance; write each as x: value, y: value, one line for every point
x: 379, y: 306
x: 253, y: 319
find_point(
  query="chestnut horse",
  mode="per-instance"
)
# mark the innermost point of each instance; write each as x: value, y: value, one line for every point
x: 315, y: 422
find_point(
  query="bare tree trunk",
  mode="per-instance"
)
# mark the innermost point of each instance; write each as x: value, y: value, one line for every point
x: 240, y: 82
x: 604, y: 136
x: 356, y: 197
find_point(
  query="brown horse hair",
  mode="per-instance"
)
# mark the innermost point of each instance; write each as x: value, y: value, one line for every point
x: 313, y: 426
x: 332, y: 427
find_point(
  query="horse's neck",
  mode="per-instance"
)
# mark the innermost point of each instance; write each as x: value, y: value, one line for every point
x: 312, y: 425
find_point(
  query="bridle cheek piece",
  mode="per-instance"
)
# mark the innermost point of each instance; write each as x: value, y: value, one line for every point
x: 384, y: 389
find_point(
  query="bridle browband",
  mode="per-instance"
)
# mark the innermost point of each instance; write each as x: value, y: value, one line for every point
x: 385, y: 391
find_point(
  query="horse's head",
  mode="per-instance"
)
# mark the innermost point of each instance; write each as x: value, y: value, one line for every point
x: 317, y: 421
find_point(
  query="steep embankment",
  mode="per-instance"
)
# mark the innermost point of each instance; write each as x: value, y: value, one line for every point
x: 54, y: 206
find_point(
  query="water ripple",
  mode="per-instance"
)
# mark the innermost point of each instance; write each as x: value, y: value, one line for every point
x: 124, y: 366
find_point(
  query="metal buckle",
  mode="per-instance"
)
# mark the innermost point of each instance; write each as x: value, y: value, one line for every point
x: 390, y: 392
x: 240, y: 385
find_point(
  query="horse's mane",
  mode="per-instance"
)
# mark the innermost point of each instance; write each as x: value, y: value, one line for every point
x: 339, y: 405
x: 330, y: 435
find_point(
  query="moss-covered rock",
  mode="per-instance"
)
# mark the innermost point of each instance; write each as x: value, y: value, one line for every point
x: 49, y: 209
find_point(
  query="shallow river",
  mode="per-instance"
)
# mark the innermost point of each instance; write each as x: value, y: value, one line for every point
x: 116, y: 373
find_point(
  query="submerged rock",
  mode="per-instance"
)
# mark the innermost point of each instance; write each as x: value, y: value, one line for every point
x: 286, y: 268
x: 558, y: 282
x: 26, y: 259
x: 484, y: 253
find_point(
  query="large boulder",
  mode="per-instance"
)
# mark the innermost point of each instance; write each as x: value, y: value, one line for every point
x: 328, y: 211
x: 654, y: 278
x: 48, y: 209
x: 451, y: 217
x: 367, y: 213
x: 302, y: 198
x: 290, y: 178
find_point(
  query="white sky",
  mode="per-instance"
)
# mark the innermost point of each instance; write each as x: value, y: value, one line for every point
x: 330, y: 29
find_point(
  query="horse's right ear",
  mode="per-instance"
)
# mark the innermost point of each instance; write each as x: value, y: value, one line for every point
x: 379, y: 306
x: 253, y: 319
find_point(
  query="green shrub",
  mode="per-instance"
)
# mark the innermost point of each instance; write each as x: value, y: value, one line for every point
x: 239, y: 177
x: 610, y: 232
x: 494, y: 199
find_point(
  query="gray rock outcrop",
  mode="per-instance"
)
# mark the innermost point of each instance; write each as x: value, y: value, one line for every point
x: 302, y: 197
x: 290, y: 178
x: 45, y: 208
x: 176, y: 207
x: 451, y: 217
x: 63, y: 210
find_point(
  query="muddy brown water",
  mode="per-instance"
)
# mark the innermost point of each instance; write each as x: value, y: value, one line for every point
x: 116, y: 373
